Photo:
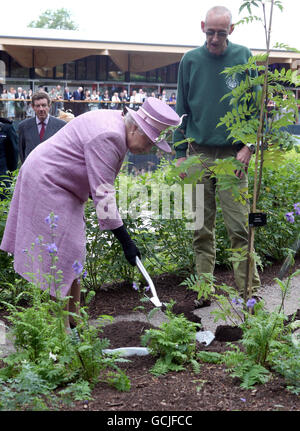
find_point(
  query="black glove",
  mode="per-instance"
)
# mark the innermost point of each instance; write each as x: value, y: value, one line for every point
x: 129, y: 247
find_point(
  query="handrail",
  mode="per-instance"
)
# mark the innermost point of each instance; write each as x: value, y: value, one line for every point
x: 82, y: 101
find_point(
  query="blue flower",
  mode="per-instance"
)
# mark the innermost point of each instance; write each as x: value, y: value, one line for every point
x: 297, y: 208
x: 52, y: 220
x: 84, y: 274
x: 48, y: 219
x: 147, y: 288
x: 77, y: 266
x: 251, y: 302
x: 237, y: 301
x: 52, y: 248
x: 135, y: 286
x: 290, y: 217
x: 39, y: 240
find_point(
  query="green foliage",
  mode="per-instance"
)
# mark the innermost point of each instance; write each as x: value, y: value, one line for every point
x: 268, y: 342
x: 202, y: 284
x: 55, y: 358
x: 10, y: 282
x: 210, y: 357
x: 58, y: 19
x: 174, y: 344
x: 244, y: 368
x: 285, y: 360
x: 279, y: 191
x: 27, y: 391
x: 105, y: 261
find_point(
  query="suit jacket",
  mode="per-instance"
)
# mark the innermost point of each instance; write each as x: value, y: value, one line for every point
x: 77, y: 95
x: 67, y: 95
x: 29, y: 135
x: 9, y: 153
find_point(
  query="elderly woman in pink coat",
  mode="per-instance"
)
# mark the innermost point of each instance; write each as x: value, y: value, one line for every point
x: 81, y: 160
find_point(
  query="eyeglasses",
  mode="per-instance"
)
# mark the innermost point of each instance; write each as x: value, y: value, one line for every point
x: 220, y: 34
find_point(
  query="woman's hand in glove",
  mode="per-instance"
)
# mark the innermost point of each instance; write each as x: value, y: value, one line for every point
x: 128, y: 245
x: 130, y: 252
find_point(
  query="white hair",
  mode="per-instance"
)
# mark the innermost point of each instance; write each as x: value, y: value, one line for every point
x: 129, y: 120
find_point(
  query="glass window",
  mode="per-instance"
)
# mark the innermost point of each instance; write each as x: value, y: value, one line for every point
x: 102, y: 67
x: 135, y: 77
x: 59, y: 71
x: 81, y: 69
x: 151, y: 76
x: 18, y: 71
x: 2, y: 72
x: 114, y: 73
x: 44, y: 72
x: 162, y: 74
x: 91, y: 68
x: 5, y: 58
x: 172, y: 73
x: 70, y: 70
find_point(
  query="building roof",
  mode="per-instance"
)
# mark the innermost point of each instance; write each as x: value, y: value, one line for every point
x: 34, y: 47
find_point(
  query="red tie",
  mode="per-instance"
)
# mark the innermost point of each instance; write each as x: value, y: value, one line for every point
x: 42, y: 131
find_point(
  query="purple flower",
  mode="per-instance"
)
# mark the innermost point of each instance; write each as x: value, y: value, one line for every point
x: 290, y: 217
x: 147, y: 288
x: 297, y: 208
x: 52, y: 248
x: 243, y: 399
x: 77, y: 267
x: 84, y: 274
x: 237, y: 301
x: 52, y: 220
x: 251, y: 302
x: 48, y: 219
x: 135, y: 286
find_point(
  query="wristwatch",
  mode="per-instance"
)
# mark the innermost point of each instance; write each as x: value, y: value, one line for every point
x: 252, y: 148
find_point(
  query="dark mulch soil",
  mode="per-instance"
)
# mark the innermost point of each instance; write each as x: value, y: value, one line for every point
x: 211, y: 390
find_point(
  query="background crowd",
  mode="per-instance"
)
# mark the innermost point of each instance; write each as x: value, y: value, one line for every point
x: 15, y: 104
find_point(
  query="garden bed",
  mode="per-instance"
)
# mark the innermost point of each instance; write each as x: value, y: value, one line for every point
x: 211, y: 390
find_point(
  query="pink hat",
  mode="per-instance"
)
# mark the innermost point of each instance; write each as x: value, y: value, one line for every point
x: 153, y: 117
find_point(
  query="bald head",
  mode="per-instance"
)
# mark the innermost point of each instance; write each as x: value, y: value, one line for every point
x: 217, y: 27
x: 219, y: 11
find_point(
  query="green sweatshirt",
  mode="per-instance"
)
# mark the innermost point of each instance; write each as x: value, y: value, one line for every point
x: 200, y: 88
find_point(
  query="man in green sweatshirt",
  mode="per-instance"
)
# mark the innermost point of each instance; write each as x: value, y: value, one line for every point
x: 200, y: 89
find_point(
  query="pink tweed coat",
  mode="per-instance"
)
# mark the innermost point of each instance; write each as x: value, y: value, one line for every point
x: 58, y: 176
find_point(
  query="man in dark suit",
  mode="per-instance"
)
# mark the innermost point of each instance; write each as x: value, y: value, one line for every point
x: 33, y: 131
x: 77, y: 107
x: 9, y: 153
x: 78, y: 94
x: 67, y: 94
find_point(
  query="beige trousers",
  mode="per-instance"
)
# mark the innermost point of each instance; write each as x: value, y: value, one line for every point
x: 235, y: 216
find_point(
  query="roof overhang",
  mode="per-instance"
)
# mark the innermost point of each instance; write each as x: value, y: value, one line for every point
x: 43, y: 52
x: 132, y: 57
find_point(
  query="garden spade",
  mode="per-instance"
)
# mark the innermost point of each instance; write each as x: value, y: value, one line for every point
x: 155, y: 300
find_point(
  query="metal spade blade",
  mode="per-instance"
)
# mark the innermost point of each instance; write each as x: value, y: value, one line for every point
x: 155, y: 300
